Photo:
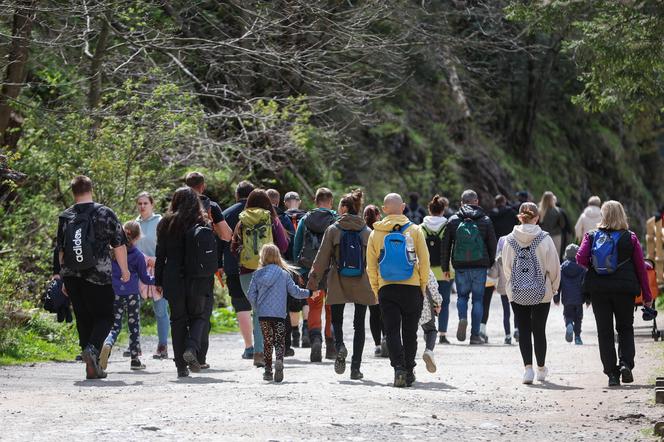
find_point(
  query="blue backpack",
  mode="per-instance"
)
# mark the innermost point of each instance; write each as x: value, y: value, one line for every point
x: 351, y: 257
x: 394, y: 264
x: 604, y: 252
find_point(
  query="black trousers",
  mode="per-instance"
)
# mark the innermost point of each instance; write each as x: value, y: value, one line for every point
x: 486, y: 303
x: 205, y: 337
x: 621, y: 307
x: 93, y: 308
x: 359, y: 335
x: 531, y: 322
x: 376, y: 324
x: 401, y: 308
x: 189, y: 321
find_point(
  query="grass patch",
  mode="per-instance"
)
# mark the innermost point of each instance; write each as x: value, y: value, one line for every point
x: 41, y: 339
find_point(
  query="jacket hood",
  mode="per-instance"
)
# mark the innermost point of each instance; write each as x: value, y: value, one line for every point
x: 593, y: 213
x: 318, y: 220
x: 472, y: 212
x: 571, y: 269
x: 255, y: 215
x: 155, y: 216
x: 387, y: 224
x: 351, y: 222
x: 434, y: 223
x: 267, y: 276
x: 295, y: 212
x: 526, y: 233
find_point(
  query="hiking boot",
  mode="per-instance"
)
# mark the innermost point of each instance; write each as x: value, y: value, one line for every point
x: 614, y: 379
x: 289, y: 352
x: 410, y: 378
x: 136, y: 364
x: 183, y: 372
x: 295, y: 337
x: 384, y: 351
x: 377, y: 351
x: 248, y: 353
x: 259, y: 360
x: 190, y: 358
x: 330, y: 351
x: 528, y: 376
x: 399, y: 378
x: 442, y: 339
x: 516, y: 335
x: 161, y: 352
x: 104, y: 355
x: 578, y: 341
x: 316, y: 349
x: 267, y: 375
x: 626, y: 374
x: 92, y: 368
x: 306, y: 339
x: 429, y: 361
x: 508, y: 340
x: 542, y: 373
x: 569, y: 332
x: 356, y: 374
x: 461, y: 330
x: 278, y: 371
x: 476, y: 340
x: 205, y: 366
x: 340, y: 361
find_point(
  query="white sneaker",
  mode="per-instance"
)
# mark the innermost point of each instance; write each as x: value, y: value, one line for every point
x: 542, y: 373
x: 429, y: 361
x: 528, y: 376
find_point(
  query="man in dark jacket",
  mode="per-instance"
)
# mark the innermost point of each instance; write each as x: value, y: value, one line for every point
x: 470, y: 242
x: 503, y: 217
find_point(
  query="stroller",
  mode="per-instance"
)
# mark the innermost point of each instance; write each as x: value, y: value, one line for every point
x: 654, y: 289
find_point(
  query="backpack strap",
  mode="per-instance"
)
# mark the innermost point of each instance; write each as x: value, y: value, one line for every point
x: 401, y: 229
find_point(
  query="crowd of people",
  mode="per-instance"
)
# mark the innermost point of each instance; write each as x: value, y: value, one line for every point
x: 290, y: 274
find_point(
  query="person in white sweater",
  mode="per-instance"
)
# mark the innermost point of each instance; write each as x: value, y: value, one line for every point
x: 589, y: 219
x: 532, y: 274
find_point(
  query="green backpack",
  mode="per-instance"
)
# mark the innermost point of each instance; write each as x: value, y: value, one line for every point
x: 256, y: 232
x: 469, y: 245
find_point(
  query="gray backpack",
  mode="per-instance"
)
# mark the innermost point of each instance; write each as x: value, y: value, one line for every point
x: 528, y: 282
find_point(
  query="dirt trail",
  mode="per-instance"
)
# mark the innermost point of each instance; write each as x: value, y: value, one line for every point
x: 475, y: 395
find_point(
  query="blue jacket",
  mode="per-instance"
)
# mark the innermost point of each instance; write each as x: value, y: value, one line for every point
x: 138, y: 270
x: 571, y: 283
x: 268, y: 291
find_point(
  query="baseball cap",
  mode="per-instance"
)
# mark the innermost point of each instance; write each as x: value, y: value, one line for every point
x: 291, y: 196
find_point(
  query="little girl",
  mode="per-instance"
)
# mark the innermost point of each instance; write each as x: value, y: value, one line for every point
x: 127, y: 298
x: 268, y: 293
x: 430, y: 311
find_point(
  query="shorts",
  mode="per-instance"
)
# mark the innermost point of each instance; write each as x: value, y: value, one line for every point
x: 239, y: 301
x: 295, y: 305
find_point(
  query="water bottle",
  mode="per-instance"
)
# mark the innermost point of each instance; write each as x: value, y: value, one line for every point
x: 410, y: 248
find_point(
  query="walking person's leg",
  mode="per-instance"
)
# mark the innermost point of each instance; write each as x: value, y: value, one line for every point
x: 337, y: 316
x: 623, y: 310
x: 134, y: 324
x: 314, y: 323
x: 411, y: 311
x: 177, y: 305
x: 375, y: 324
x: 359, y: 336
x: 330, y: 350
x: 268, y: 343
x: 119, y: 307
x: 160, y: 308
x: 242, y: 309
x: 205, y: 335
x: 486, y: 308
x: 100, y: 300
x: 81, y: 314
x: 569, y: 313
x: 478, y: 283
x: 391, y: 313
x: 279, y: 332
x: 540, y: 313
x: 506, y: 318
x: 464, y: 287
x: 445, y: 290
x: 603, y: 310
x: 523, y: 317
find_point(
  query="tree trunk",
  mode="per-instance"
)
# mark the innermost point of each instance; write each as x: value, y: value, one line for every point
x: 24, y: 16
x: 94, y: 94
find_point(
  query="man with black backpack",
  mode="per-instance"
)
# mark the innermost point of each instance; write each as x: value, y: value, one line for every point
x: 87, y: 232
x: 470, y: 241
x: 308, y: 239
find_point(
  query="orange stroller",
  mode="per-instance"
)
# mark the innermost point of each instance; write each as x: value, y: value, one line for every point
x: 654, y: 289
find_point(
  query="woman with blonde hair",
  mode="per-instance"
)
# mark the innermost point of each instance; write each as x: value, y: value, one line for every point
x: 532, y: 275
x: 616, y: 275
x: 551, y: 220
x: 268, y: 294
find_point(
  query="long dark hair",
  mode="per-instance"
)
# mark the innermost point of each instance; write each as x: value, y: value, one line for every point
x: 258, y: 198
x: 184, y: 212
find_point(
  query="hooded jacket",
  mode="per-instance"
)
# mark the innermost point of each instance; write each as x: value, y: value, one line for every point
x: 485, y: 227
x: 571, y: 283
x: 137, y: 271
x: 588, y: 221
x: 341, y: 289
x: 546, y: 253
x: 148, y: 242
x: 420, y: 275
x: 269, y: 289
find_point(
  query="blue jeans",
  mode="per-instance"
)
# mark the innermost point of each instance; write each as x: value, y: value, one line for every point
x: 160, y: 307
x: 444, y: 288
x: 471, y: 281
x: 245, y: 280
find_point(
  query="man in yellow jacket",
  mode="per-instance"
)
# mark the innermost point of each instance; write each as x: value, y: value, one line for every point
x: 400, y: 300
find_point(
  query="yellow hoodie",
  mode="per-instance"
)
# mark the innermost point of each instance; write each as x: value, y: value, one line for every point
x: 381, y: 228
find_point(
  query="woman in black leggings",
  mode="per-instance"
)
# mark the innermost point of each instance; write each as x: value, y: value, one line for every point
x: 532, y: 273
x: 371, y: 215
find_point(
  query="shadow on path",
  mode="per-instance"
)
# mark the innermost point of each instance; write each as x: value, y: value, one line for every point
x: 103, y: 383
x: 202, y: 380
x: 546, y: 385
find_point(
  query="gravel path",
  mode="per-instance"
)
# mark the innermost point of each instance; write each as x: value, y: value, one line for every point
x: 475, y: 395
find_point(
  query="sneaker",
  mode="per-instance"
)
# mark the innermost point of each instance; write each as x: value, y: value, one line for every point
x: 248, y: 353
x: 429, y: 361
x: 267, y: 375
x: 259, y: 360
x: 442, y: 339
x: 278, y: 371
x: 461, y: 330
x: 399, y: 379
x: 161, y: 352
x: 356, y: 374
x: 410, y: 378
x: 484, y: 338
x: 614, y: 379
x: 542, y: 373
x: 92, y: 368
x: 289, y: 352
x: 183, y: 372
x: 626, y: 374
x: 528, y: 376
x: 569, y: 332
x: 377, y: 351
x: 340, y: 360
x: 295, y: 337
x: 190, y: 358
x: 384, y: 351
x: 516, y: 335
x: 330, y: 351
x: 508, y: 340
x: 578, y: 341
x: 136, y: 364
x: 476, y: 340
x: 316, y: 350
x: 205, y: 366
x: 104, y: 355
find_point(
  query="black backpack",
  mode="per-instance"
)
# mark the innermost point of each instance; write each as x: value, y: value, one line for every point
x: 201, y: 254
x: 79, y: 239
x: 315, y: 225
x: 434, y: 244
